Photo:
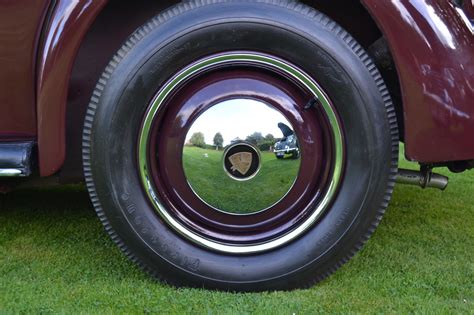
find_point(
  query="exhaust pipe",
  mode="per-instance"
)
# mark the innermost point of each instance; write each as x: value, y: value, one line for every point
x: 422, y: 179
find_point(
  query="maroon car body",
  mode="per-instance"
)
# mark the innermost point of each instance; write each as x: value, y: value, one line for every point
x: 41, y: 42
x: 53, y: 52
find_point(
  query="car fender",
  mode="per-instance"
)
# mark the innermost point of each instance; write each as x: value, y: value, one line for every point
x: 68, y: 23
x: 432, y: 47
x: 430, y: 42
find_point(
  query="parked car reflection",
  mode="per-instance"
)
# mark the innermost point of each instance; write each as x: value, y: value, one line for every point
x: 288, y: 144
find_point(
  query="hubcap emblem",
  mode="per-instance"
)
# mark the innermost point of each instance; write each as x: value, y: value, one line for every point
x: 241, y: 161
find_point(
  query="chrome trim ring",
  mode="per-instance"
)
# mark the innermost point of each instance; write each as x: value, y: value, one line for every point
x: 259, y: 61
x: 10, y: 172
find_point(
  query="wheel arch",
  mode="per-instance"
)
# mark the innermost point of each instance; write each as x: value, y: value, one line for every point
x: 66, y: 45
x: 68, y: 23
x: 82, y: 37
x: 431, y: 43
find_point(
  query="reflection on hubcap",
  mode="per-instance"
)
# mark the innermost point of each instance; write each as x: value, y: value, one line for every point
x: 181, y: 166
x: 230, y: 158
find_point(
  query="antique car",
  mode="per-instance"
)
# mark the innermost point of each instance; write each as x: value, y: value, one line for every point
x: 105, y: 92
x: 286, y: 145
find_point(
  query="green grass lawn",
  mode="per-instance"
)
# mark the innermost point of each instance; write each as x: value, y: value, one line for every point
x: 55, y: 257
x: 204, y: 170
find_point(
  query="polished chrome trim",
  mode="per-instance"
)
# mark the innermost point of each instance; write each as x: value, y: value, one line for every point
x: 422, y: 179
x: 10, y: 172
x: 261, y: 61
x: 465, y: 19
x: 286, y: 150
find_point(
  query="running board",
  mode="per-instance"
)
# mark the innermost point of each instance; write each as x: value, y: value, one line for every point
x: 15, y: 158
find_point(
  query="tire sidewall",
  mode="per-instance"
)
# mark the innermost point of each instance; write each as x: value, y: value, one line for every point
x: 180, y: 40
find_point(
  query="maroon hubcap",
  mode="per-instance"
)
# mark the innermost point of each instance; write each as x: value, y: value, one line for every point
x: 249, y: 77
x: 235, y: 81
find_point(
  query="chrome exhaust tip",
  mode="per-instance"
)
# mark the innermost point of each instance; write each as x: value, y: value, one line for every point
x: 422, y: 179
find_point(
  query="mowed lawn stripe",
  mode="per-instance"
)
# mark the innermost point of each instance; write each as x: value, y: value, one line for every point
x: 56, y: 258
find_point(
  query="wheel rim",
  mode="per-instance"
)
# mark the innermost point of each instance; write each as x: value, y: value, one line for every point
x: 206, y: 84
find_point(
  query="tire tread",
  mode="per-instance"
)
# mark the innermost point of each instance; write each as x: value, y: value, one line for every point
x: 307, y: 12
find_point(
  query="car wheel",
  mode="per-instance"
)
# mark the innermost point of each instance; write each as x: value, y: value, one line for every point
x: 295, y: 154
x: 234, y: 219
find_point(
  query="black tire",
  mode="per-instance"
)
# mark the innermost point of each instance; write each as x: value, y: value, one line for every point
x: 194, y: 29
x: 295, y: 154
